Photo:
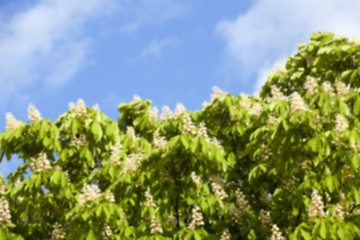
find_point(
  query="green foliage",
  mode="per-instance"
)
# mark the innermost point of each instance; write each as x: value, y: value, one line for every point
x: 286, y: 163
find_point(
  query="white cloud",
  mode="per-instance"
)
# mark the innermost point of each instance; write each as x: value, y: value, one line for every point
x: 45, y: 43
x: 151, y: 12
x: 156, y: 47
x: 271, y: 29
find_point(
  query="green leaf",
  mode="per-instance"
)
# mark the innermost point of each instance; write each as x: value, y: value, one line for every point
x: 323, y: 230
x: 96, y: 130
x: 305, y: 234
x: 91, y: 235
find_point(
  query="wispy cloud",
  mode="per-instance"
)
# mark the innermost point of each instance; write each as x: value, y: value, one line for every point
x: 151, y: 12
x: 45, y: 44
x: 156, y: 47
x: 270, y: 30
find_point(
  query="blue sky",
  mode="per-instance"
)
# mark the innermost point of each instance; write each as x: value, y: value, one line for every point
x: 104, y: 51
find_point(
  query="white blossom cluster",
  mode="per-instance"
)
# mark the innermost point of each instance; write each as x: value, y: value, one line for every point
x: 107, y: 232
x: 340, y: 126
x: 11, y: 122
x: 215, y: 142
x: 225, y: 235
x: 153, y: 114
x: 115, y: 154
x: 217, y: 93
x: 272, y: 119
x: 155, y: 226
x: 245, y: 101
x: 297, y: 104
x: 130, y: 131
x: 265, y: 152
x: 33, y: 114
x: 205, y: 104
x: 338, y: 212
x: 275, y: 94
x: 256, y: 95
x: 196, y: 218
x: 355, y: 40
x: 58, y: 232
x: 90, y: 193
x: 328, y: 88
x: 202, y: 132
x: 149, y: 199
x: 78, y: 141
x: 5, y: 216
x: 80, y: 108
x: 180, y: 109
x: 276, y: 234
x: 316, y: 208
x: 188, y: 126
x: 96, y: 107
x: 40, y: 162
x: 265, y: 217
x: 132, y: 162
x: 311, y: 85
x: 242, y: 206
x: 195, y: 178
x: 218, y: 191
x: 279, y: 68
x: 159, y: 141
x: 136, y: 97
x: 166, y: 113
x: 256, y: 109
x: 2, y: 188
x: 110, y: 196
x: 341, y: 88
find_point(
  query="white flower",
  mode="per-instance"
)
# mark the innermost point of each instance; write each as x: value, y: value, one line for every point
x: 40, y: 162
x: 241, y: 201
x: 5, y: 216
x: 115, y: 154
x: 195, y: 177
x: 79, y: 108
x: 205, y: 104
x: 276, y: 94
x: 166, y: 113
x: 256, y: 109
x: 341, y: 88
x: 276, y: 234
x: 202, y: 132
x: 196, y: 218
x: 33, y: 114
x: 218, y: 191
x: 155, y: 226
x: 136, y: 98
x: 297, y: 104
x: 153, y: 114
x: 107, y: 232
x: 215, y: 142
x: 188, y: 127
x: 217, y: 93
x: 256, y: 95
x: 316, y: 208
x: 245, y: 101
x: 89, y: 193
x: 311, y: 85
x: 130, y: 131
x: 149, y: 200
x: 180, y: 109
x: 272, y: 120
x: 279, y: 68
x: 132, y: 162
x: 340, y: 126
x: 265, y: 217
x: 225, y: 235
x: 159, y: 141
x: 110, y: 196
x: 327, y: 88
x: 11, y: 122
x: 58, y: 232
x: 339, y: 212
x: 96, y: 107
x: 78, y: 141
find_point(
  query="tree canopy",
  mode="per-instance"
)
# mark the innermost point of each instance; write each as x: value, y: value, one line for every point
x: 283, y: 164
